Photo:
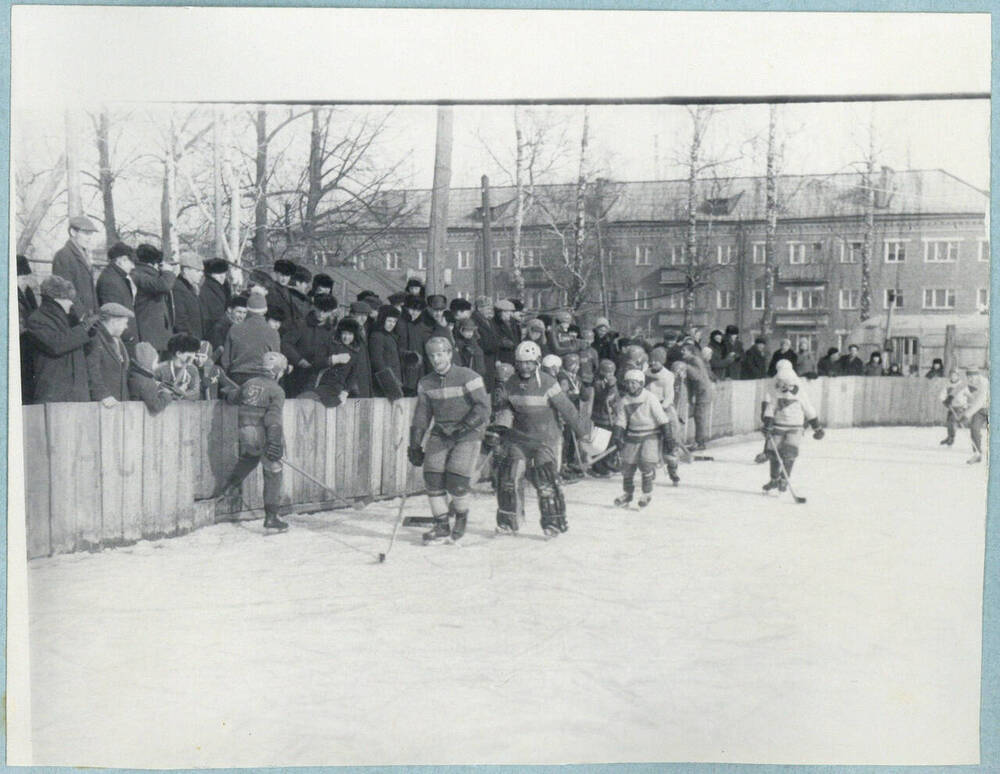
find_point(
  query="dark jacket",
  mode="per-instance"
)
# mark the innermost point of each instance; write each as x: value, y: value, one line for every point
x: 213, y: 298
x: 109, y: 365
x: 27, y: 303
x: 734, y: 354
x: 411, y: 336
x: 507, y: 336
x: 331, y: 381
x: 851, y: 366
x: 246, y: 343
x: 26, y: 306
x: 115, y: 287
x: 718, y: 362
x: 187, y: 309
x: 754, y: 364
x: 309, y: 341
x: 59, y: 346
x: 71, y: 263
x: 300, y: 306
x: 779, y: 355
x: 279, y: 297
x: 153, y: 315
x: 827, y: 366
x: 383, y: 349
x: 874, y: 369
x: 490, y: 345
x: 362, y: 371
x: 468, y: 353
x: 218, y: 332
x: 142, y: 385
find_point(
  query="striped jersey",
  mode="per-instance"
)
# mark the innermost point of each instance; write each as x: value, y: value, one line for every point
x: 788, y: 403
x: 640, y: 415
x: 531, y: 409
x: 458, y: 395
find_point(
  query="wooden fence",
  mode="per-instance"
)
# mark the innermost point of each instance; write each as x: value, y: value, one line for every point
x: 103, y: 477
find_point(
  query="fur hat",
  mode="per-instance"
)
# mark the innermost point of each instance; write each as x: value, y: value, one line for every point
x: 518, y: 304
x: 182, y: 342
x: 322, y: 281
x: 146, y: 253
x: 284, y: 267
x: 302, y: 274
x: 216, y: 266
x: 460, y: 305
x: 360, y: 307
x: 120, y: 250
x: 398, y: 298
x: 732, y: 330
x: 325, y: 303
x: 277, y: 314
x: 414, y: 302
x: 351, y: 325
x: 467, y: 324
x: 58, y: 288
x: 437, y: 302
x: 385, y: 312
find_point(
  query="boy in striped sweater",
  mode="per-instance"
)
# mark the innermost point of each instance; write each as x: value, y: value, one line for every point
x: 785, y: 411
x: 640, y: 427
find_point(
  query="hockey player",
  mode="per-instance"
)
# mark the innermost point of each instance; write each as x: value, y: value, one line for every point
x: 955, y: 397
x: 260, y: 400
x: 605, y: 399
x: 785, y: 410
x: 660, y: 382
x: 977, y: 413
x: 640, y: 424
x: 529, y: 406
x: 455, y: 398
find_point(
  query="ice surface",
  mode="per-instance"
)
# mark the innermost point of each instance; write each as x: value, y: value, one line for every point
x: 718, y: 624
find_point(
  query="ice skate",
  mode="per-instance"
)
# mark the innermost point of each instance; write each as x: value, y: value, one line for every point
x: 771, y: 485
x: 674, y: 478
x: 459, y: 528
x: 975, y: 458
x: 760, y: 459
x: 440, y: 531
x: 551, y: 528
x: 947, y: 442
x: 271, y: 521
x: 644, y: 499
x: 623, y: 500
x: 782, y: 484
x: 506, y: 524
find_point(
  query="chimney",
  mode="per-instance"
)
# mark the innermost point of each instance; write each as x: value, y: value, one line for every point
x: 886, y: 188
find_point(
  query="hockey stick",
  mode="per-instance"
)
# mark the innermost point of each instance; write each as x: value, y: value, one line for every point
x: 781, y: 464
x: 367, y: 499
x: 689, y: 457
x: 395, y: 529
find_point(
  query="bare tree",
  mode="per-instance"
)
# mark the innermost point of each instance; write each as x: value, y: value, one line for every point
x: 770, y: 220
x: 36, y: 193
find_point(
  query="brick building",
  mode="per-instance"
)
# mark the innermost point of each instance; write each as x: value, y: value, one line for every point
x: 931, y: 251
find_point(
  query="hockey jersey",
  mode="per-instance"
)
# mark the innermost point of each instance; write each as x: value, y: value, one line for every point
x: 788, y: 404
x: 260, y: 400
x: 661, y: 384
x: 640, y: 415
x: 457, y: 396
x: 531, y: 409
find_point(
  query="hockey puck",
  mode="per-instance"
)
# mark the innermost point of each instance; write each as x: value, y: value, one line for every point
x: 381, y: 557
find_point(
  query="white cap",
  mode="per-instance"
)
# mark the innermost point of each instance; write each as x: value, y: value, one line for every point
x: 634, y: 375
x: 784, y: 367
x: 552, y: 361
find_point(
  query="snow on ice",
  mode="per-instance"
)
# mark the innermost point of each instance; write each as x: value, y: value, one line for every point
x: 719, y: 624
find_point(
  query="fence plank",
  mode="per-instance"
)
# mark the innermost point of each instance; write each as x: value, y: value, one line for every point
x: 133, y: 460
x: 348, y: 448
x: 170, y: 451
x: 331, y: 464
x: 112, y: 461
x: 204, y: 475
x: 74, y: 434
x: 189, y: 456
x: 309, y: 451
x: 151, y: 523
x: 36, y: 482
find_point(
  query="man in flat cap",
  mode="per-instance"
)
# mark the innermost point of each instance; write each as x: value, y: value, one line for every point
x: 108, y: 357
x: 72, y: 261
x: 187, y: 307
x: 215, y: 294
x: 115, y: 285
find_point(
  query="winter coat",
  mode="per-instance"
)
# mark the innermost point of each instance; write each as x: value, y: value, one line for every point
x: 217, y: 334
x: 827, y: 367
x: 788, y: 355
x: 607, y: 346
x: 187, y: 309
x: 280, y: 297
x: 734, y: 357
x: 153, y: 313
x: 300, y: 306
x: 383, y: 351
x: 807, y: 365
x: 851, y: 366
x: 73, y: 264
x: 109, y: 365
x: 114, y: 286
x: 874, y: 369
x: 309, y: 341
x: 490, y: 345
x: 213, y: 299
x: 507, y: 338
x: 27, y: 303
x: 411, y: 336
x: 754, y: 364
x: 362, y: 373
x: 717, y: 363
x: 59, y: 347
x: 332, y: 380
x: 246, y: 343
x: 142, y: 385
x: 699, y: 379
x: 469, y: 354
x: 26, y: 306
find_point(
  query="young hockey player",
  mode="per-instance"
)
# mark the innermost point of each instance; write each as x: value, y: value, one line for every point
x: 785, y: 410
x: 640, y: 424
x: 955, y: 397
x: 660, y: 382
x: 455, y: 398
x: 260, y: 400
x: 603, y: 411
x: 529, y: 405
x: 977, y: 413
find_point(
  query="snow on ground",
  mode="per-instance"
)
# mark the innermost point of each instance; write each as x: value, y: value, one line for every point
x: 717, y: 625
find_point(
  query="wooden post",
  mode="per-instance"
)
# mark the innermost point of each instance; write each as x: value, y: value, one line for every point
x: 949, y: 348
x: 485, y: 288
x: 437, y: 239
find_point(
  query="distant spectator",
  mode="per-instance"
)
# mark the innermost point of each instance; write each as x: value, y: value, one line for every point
x: 828, y: 364
x: 534, y: 330
x: 311, y: 344
x: 411, y: 334
x: 247, y: 341
x: 937, y: 369
x: 109, y: 359
x: 874, y: 365
x: 335, y: 382
x: 236, y: 312
x: 505, y: 331
x: 322, y: 285
x: 783, y: 352
x: 72, y: 262
x: 179, y: 371
x: 210, y: 377
x: 58, y: 342
x: 298, y: 294
x: 415, y: 287
x: 852, y: 365
x: 187, y: 306
x: 214, y: 295
x: 397, y: 300
x: 115, y: 285
x: 589, y: 358
x: 383, y: 349
x: 279, y: 295
x: 716, y: 355
x: 733, y: 353
x: 436, y: 322
x: 482, y: 316
x: 605, y: 339
x: 26, y: 305
x: 894, y: 370
x: 468, y: 353
x: 362, y: 365
x: 560, y: 341
x: 806, y: 365
x: 154, y: 283
x: 142, y: 382
x: 755, y: 360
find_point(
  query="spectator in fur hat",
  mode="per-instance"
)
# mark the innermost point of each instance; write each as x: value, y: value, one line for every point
x: 58, y: 342
x: 733, y: 352
x: 298, y: 297
x: 322, y: 285
x: 436, y: 322
x: 154, y: 283
x: 115, y: 286
x: 283, y: 271
x: 215, y: 294
x: 755, y: 360
x: 415, y: 287
x: 468, y: 353
x: 383, y: 350
x: 275, y: 318
x: 337, y: 381
x: 362, y: 369
x: 397, y: 299
x: 310, y: 344
x: 178, y: 371
x: 561, y: 340
x: 412, y: 334
x: 108, y: 358
x: 72, y: 262
x: 279, y: 295
x: 187, y: 308
x: 534, y: 330
x: 518, y: 315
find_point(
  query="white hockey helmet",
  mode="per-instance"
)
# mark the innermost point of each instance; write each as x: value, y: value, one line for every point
x: 274, y: 362
x: 438, y: 344
x: 526, y: 351
x: 634, y: 375
x: 552, y: 361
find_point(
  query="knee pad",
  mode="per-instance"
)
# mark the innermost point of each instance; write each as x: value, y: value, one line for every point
x: 648, y: 475
x: 460, y: 503
x: 789, y: 453
x: 434, y: 480
x: 545, y: 479
x: 456, y: 484
x: 439, y: 503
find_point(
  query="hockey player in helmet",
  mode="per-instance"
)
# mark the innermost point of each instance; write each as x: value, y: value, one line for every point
x: 260, y: 400
x: 785, y: 409
x: 455, y: 399
x: 640, y: 424
x: 529, y: 406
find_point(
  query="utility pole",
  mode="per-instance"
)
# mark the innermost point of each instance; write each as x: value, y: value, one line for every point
x: 485, y: 287
x: 437, y: 238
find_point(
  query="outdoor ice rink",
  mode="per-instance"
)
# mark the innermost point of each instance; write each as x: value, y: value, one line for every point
x: 717, y: 625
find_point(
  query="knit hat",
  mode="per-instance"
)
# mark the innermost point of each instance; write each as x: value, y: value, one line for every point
x: 634, y: 375
x: 119, y: 250
x: 58, y: 288
x: 257, y: 303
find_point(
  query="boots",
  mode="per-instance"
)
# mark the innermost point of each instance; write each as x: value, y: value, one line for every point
x: 271, y: 520
x: 623, y: 500
x: 439, y: 531
x: 459, y: 528
x: 644, y: 499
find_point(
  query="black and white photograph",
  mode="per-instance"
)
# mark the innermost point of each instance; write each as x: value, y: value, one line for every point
x: 439, y: 387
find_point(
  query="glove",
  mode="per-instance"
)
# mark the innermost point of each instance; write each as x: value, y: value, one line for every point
x: 618, y: 437
x: 273, y: 450
x: 665, y: 435
x: 494, y: 436
x: 817, y: 430
x: 415, y: 455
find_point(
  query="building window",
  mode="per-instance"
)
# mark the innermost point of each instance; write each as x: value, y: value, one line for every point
x: 984, y: 250
x: 528, y: 256
x: 357, y: 262
x: 467, y: 295
x: 608, y: 255
x: 889, y: 296
x: 759, y: 252
x: 941, y: 251
x: 464, y: 259
x: 498, y: 259
x: 849, y: 299
x: 724, y: 254
x: 805, y: 298
x: 797, y: 253
x: 643, y: 255
x: 534, y: 299
x: 850, y: 252
x: 895, y: 251
x: 391, y: 261
x: 758, y: 300
x: 725, y: 299
x: 983, y: 299
x: 641, y: 300
x: 421, y: 260
x: 939, y: 298
x: 678, y: 255
x: 675, y: 300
